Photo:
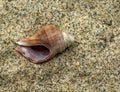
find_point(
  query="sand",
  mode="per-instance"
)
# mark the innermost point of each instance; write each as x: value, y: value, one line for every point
x: 90, y: 64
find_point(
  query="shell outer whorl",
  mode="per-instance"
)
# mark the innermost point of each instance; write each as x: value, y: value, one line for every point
x: 55, y: 39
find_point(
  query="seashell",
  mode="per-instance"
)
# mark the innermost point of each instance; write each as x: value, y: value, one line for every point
x: 44, y: 44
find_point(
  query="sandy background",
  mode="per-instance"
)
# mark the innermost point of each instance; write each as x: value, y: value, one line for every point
x: 91, y: 64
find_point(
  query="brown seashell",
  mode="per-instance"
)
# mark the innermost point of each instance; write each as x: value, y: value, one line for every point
x: 44, y: 44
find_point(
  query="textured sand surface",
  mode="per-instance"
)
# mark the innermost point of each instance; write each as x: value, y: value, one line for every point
x: 91, y: 64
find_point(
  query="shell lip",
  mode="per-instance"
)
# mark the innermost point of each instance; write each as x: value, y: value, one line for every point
x: 21, y: 43
x: 26, y: 52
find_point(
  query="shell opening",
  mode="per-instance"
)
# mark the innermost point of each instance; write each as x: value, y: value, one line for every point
x: 35, y: 53
x: 40, y: 51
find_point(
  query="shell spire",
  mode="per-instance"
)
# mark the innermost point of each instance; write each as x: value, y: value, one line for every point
x: 44, y: 44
